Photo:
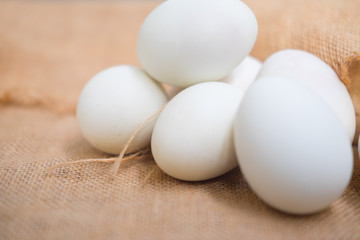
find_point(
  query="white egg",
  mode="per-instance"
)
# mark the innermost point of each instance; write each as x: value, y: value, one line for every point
x: 112, y: 105
x: 183, y: 42
x: 244, y: 74
x: 317, y: 75
x: 292, y: 149
x: 193, y: 136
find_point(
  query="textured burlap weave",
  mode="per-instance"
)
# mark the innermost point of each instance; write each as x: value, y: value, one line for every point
x: 48, y: 50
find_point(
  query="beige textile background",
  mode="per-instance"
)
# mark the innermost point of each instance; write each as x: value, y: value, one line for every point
x: 49, y: 50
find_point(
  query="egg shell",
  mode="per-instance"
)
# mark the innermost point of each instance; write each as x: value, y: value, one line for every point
x: 184, y: 42
x: 317, y: 75
x: 193, y: 136
x: 114, y: 103
x: 292, y: 149
x: 244, y: 74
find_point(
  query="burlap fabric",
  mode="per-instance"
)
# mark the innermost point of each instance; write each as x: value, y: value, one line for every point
x: 48, y: 50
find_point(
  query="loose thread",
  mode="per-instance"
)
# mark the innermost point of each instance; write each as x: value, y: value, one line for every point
x: 118, y: 160
x: 142, y: 152
x: 117, y: 163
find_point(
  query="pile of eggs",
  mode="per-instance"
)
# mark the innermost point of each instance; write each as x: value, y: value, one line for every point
x: 288, y: 122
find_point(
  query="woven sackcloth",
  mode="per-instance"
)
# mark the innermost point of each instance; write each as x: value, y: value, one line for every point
x: 49, y: 50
